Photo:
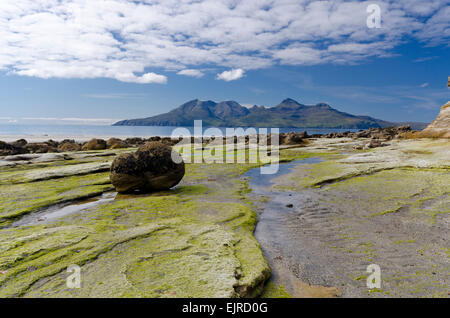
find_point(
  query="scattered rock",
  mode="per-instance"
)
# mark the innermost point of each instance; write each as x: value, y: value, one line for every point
x: 150, y: 168
x: 69, y: 145
x: 293, y: 138
x: 374, y: 143
x: 9, y: 149
x: 40, y: 147
x: 135, y: 141
x: 115, y: 143
x: 94, y: 144
x: 19, y: 143
x: 52, y: 143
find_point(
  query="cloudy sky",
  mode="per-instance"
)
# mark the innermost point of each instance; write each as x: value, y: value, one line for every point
x: 115, y: 59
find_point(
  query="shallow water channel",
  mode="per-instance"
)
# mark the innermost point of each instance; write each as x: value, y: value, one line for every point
x: 293, y: 265
x: 55, y: 212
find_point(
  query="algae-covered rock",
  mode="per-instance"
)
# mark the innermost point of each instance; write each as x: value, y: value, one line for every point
x: 115, y: 143
x: 69, y: 145
x: 95, y: 144
x: 151, y: 168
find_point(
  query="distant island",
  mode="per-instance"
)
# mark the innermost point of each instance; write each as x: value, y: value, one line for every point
x: 288, y: 114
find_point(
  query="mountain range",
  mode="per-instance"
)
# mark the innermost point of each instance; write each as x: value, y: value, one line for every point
x: 288, y: 114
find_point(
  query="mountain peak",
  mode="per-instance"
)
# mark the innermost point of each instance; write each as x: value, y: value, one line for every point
x: 323, y: 105
x: 289, y: 113
x: 289, y: 101
x: 289, y: 104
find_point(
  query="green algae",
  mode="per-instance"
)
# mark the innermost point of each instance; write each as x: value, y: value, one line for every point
x: 195, y: 240
x: 19, y: 199
x: 273, y: 290
x: 419, y: 191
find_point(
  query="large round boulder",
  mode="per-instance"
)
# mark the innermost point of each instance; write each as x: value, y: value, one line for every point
x: 115, y: 143
x: 152, y: 167
x: 94, y: 144
x: 69, y: 145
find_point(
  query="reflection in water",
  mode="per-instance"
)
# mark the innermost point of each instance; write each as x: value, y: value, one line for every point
x: 52, y: 213
x: 56, y: 212
x: 279, y: 239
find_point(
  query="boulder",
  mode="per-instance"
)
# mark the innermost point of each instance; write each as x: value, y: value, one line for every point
x: 69, y: 145
x: 115, y: 143
x: 135, y: 141
x: 40, y: 147
x: 52, y: 143
x: 94, y: 144
x: 375, y: 143
x: 19, y: 143
x: 150, y: 168
x: 293, y: 138
x: 9, y: 149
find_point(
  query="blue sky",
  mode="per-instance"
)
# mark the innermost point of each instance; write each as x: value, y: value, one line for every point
x: 68, y: 61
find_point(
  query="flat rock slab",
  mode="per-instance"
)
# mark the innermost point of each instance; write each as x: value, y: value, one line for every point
x: 66, y: 171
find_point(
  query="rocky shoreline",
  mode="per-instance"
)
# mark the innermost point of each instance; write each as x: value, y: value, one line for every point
x: 22, y: 146
x: 134, y: 245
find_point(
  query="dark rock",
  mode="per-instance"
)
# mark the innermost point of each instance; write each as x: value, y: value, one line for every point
x: 373, y: 144
x: 9, y: 149
x: 135, y: 141
x: 150, y: 168
x: 290, y: 205
x: 52, y: 143
x: 94, y: 144
x: 293, y: 138
x: 40, y: 147
x: 19, y: 143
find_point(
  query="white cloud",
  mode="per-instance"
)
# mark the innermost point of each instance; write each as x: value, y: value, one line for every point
x: 231, y: 75
x: 133, y: 41
x: 424, y: 85
x: 191, y: 73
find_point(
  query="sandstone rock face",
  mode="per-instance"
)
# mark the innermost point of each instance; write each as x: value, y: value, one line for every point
x: 440, y: 127
x: 150, y: 168
x: 94, y: 144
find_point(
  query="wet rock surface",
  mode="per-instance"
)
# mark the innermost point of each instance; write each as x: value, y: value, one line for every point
x: 191, y: 241
x: 384, y: 206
